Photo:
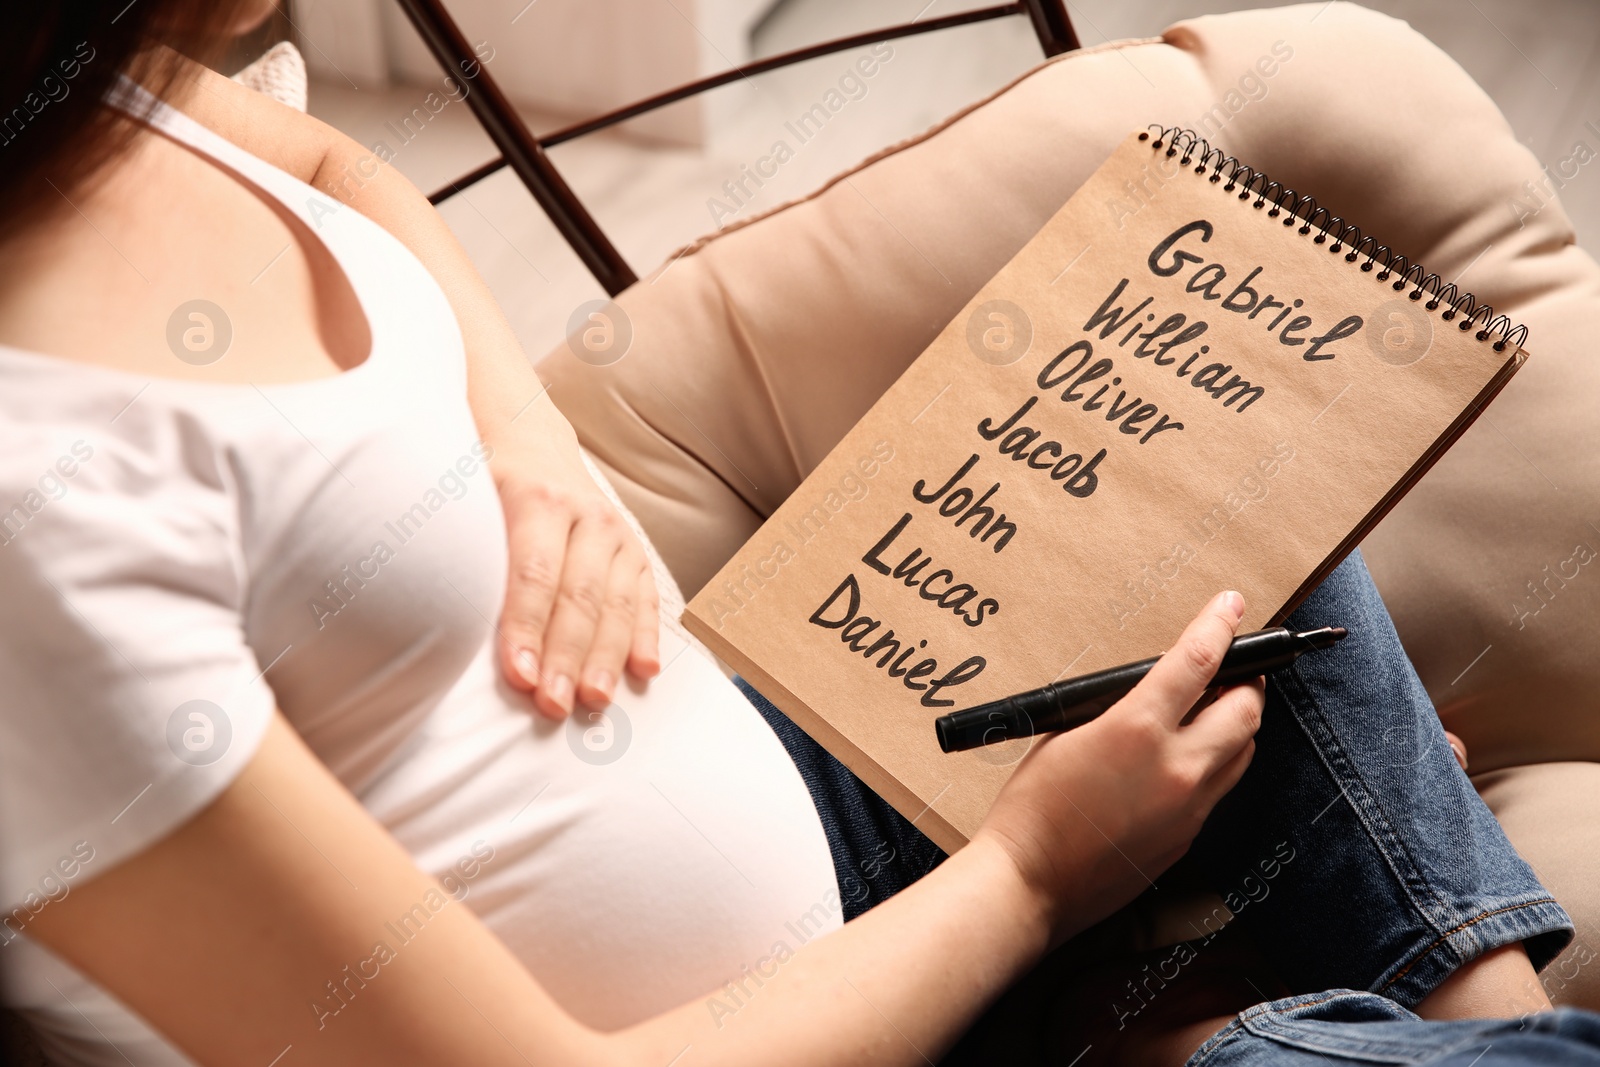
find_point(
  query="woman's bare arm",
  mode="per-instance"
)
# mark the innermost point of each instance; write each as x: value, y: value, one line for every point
x: 581, y: 604
x: 238, y: 935
x: 227, y: 935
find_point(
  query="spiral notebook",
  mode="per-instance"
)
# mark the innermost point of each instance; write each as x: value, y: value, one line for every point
x: 1192, y: 378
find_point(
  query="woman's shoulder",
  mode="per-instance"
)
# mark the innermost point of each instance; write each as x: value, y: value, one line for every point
x: 171, y: 260
x: 113, y: 492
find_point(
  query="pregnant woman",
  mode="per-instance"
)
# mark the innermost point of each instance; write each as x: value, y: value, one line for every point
x: 304, y: 576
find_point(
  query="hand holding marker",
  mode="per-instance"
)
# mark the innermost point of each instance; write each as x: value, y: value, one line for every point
x: 1064, y: 705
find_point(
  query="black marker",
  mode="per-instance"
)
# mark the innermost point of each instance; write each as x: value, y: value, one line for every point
x: 1064, y: 705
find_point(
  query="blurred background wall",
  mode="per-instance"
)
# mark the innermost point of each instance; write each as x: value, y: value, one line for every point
x: 658, y: 182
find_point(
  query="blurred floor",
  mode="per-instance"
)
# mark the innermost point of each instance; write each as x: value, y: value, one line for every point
x: 1538, y: 59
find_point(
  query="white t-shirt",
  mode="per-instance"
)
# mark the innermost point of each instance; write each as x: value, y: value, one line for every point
x: 177, y: 558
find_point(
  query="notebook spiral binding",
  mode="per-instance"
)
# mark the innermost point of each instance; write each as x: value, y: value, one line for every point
x: 1303, y: 208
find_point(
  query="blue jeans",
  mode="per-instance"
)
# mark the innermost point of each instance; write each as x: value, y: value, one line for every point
x: 1343, y: 1026
x: 1354, y: 851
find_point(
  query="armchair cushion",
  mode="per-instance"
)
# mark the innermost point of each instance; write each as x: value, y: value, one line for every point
x: 756, y: 349
x: 816, y: 307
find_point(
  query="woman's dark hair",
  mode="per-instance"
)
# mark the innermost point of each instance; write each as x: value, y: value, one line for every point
x: 58, y: 58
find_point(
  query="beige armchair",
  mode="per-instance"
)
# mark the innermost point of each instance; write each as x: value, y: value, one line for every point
x: 765, y: 341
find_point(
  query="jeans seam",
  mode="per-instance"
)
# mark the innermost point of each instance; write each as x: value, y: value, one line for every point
x: 1237, y: 1026
x: 1448, y: 934
x: 1309, y: 714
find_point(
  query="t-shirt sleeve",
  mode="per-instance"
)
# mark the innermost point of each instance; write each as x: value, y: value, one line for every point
x: 129, y: 696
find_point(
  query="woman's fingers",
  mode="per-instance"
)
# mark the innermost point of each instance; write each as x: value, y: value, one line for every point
x: 644, y: 657
x: 613, y: 633
x: 1225, y: 777
x: 537, y: 547
x: 1227, y: 724
x: 580, y: 604
x: 1185, y: 671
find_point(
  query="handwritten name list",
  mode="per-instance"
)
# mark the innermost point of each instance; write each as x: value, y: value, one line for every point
x: 1140, y: 409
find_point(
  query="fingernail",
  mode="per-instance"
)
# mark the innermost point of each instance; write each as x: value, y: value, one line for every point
x: 1461, y: 753
x: 600, y: 682
x: 560, y: 692
x: 527, y: 665
x: 1234, y: 603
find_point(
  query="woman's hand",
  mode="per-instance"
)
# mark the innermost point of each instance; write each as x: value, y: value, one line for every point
x: 1092, y: 816
x: 581, y: 603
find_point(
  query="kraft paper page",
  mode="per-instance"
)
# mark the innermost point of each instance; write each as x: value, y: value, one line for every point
x: 1166, y: 393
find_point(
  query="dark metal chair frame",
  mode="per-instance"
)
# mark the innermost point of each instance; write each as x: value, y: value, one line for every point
x: 525, y: 154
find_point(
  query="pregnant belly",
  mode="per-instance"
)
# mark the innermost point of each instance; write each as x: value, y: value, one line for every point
x: 632, y: 860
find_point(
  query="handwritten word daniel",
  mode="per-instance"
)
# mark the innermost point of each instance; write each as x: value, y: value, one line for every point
x: 983, y: 518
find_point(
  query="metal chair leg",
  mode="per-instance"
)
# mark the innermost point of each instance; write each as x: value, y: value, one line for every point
x: 520, y: 148
x: 525, y: 155
x: 1054, y: 27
